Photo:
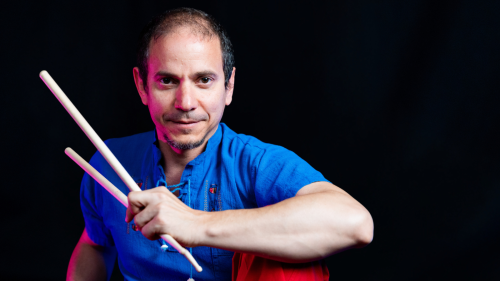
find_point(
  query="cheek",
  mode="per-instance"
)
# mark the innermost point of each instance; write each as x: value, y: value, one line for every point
x: 216, y: 108
x: 156, y: 108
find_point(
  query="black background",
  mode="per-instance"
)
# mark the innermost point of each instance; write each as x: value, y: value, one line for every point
x: 394, y: 101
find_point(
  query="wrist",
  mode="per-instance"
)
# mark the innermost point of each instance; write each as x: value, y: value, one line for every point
x: 204, y: 226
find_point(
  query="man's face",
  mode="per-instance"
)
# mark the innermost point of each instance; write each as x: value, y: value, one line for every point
x: 186, y: 94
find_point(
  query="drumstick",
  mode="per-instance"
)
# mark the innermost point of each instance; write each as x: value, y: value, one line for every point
x: 103, y: 149
x: 87, y: 129
x: 123, y: 199
x: 97, y: 176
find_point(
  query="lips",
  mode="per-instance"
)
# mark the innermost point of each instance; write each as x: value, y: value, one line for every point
x: 184, y: 125
x: 186, y: 122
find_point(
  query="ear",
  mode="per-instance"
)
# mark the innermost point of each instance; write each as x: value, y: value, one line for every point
x: 230, y: 87
x: 139, y: 84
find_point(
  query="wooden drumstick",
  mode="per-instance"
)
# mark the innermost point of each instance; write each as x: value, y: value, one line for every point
x: 123, y: 199
x: 87, y: 129
x: 97, y: 176
x: 105, y: 152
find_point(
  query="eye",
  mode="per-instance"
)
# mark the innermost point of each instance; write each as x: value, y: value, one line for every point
x: 166, y: 80
x: 205, y: 80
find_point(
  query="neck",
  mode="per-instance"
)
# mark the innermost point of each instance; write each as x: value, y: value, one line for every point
x: 175, y: 160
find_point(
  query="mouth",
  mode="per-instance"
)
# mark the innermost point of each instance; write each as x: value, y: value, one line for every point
x: 184, y: 122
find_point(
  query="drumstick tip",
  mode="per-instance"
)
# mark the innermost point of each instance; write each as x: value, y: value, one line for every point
x: 43, y: 72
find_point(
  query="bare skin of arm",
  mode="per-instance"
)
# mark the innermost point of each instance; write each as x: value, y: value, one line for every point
x: 90, y: 261
x: 320, y: 220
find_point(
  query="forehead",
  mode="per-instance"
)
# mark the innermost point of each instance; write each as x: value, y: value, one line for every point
x: 183, y: 50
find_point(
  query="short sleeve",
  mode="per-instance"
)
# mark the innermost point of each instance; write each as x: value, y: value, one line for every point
x: 91, y: 204
x: 281, y: 174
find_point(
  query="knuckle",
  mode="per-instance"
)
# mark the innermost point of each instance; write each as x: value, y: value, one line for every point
x: 162, y: 196
x: 132, y: 196
x: 162, y: 220
x: 139, y: 221
x: 163, y: 207
x: 138, y: 224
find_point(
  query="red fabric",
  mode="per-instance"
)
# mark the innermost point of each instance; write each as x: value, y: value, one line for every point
x: 248, y: 267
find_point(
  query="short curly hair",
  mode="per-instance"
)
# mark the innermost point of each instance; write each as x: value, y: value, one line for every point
x: 200, y: 23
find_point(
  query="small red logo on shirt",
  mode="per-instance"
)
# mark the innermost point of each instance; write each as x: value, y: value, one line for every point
x: 139, y: 184
x: 213, y: 190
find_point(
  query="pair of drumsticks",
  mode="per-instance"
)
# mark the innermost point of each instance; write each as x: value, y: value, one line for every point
x: 109, y: 156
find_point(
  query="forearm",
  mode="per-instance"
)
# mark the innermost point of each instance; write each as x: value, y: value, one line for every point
x: 90, y: 261
x: 299, y: 229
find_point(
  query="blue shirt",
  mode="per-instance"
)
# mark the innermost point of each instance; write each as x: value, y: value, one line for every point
x: 235, y: 171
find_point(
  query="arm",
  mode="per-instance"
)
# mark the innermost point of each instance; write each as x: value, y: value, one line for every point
x: 320, y: 220
x: 90, y: 261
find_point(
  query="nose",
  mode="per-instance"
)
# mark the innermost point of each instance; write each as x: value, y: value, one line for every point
x: 185, y: 97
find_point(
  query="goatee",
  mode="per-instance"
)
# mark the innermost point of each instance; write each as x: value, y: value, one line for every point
x: 184, y: 145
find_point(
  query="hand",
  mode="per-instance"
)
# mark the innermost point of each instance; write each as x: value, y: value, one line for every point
x: 157, y: 211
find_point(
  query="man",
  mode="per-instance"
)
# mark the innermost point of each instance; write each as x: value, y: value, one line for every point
x: 208, y: 187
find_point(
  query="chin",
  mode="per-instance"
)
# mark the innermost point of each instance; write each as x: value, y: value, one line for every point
x: 185, y: 145
x: 184, y: 142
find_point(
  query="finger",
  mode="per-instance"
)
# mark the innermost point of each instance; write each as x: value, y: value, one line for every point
x: 147, y: 214
x: 139, y: 200
x: 153, y: 229
x: 136, y: 202
x: 149, y: 196
x: 130, y: 214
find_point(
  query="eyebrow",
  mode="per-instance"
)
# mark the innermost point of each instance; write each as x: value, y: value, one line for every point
x: 196, y: 74
x: 165, y: 74
x: 205, y: 73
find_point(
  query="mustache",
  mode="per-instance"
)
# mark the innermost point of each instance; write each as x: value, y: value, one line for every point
x: 180, y: 116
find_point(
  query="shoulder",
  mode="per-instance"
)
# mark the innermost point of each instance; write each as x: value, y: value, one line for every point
x: 248, y: 148
x: 245, y: 142
x: 274, y: 172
